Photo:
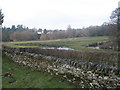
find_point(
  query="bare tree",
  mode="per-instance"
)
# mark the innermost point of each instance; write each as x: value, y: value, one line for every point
x: 114, y: 27
x: 69, y: 27
x: 115, y: 18
x: 44, y: 37
x: 23, y: 35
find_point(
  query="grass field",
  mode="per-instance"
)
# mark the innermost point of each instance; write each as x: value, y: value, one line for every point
x: 27, y: 78
x: 0, y: 64
x: 74, y: 43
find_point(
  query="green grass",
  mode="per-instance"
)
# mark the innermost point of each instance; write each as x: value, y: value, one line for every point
x: 75, y: 43
x: 27, y: 78
x: 80, y: 43
x: 0, y: 70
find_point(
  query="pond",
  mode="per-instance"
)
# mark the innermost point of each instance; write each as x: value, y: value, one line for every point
x: 97, y: 47
x: 59, y: 48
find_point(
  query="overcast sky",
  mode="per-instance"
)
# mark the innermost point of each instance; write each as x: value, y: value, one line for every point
x: 57, y: 14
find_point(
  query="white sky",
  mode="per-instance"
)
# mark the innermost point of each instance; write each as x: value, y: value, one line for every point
x: 57, y: 14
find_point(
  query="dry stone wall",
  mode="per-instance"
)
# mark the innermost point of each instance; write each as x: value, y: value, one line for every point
x: 81, y: 73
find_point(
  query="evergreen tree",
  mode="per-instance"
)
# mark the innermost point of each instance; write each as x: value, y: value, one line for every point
x: 1, y: 17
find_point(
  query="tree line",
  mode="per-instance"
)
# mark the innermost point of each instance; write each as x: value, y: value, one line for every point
x: 91, y: 31
x: 18, y: 33
x: 22, y: 33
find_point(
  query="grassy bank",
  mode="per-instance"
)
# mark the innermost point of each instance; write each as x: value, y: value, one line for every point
x: 26, y: 78
x: 74, y: 43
